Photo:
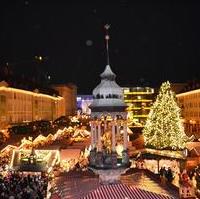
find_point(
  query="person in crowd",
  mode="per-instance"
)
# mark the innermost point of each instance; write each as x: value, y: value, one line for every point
x: 191, y: 174
x: 163, y: 175
x: 18, y: 186
x: 169, y: 175
x: 186, y: 187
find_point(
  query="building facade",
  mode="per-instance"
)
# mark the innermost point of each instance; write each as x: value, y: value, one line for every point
x: 139, y: 101
x: 69, y: 93
x: 83, y: 103
x: 17, y: 105
x: 190, y: 104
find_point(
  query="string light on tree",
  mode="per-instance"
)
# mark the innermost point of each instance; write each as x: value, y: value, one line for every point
x: 164, y: 128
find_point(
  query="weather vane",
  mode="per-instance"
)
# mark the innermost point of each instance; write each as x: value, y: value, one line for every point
x: 107, y: 26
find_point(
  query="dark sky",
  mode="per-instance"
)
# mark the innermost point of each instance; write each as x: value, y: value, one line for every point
x: 153, y: 41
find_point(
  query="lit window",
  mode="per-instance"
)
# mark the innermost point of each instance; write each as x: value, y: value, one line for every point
x: 126, y: 90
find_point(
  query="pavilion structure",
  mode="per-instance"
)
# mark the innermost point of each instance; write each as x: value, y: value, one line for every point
x: 109, y: 137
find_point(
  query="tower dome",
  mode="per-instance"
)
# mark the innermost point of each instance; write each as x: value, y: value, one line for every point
x: 108, y: 95
x: 108, y: 74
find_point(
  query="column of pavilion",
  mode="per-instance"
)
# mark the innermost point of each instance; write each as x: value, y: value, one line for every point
x: 97, y: 131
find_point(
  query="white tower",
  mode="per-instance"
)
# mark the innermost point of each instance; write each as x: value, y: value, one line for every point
x: 108, y: 125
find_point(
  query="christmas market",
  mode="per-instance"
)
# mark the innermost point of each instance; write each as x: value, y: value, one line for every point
x: 65, y: 134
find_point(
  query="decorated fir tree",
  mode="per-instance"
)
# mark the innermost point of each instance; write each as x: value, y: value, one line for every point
x: 164, y: 128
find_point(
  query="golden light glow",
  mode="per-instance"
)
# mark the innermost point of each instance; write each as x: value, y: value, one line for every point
x: 119, y: 149
x: 167, y: 153
x: 138, y: 93
x: 140, y: 115
x: 8, y: 147
x: 138, y: 100
x: 138, y: 90
x: 137, y: 108
x: 44, y: 155
x: 164, y: 128
x: 27, y: 144
x: 12, y: 159
x: 188, y: 93
x: 3, y: 88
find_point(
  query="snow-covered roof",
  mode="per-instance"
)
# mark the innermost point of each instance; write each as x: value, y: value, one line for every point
x: 107, y: 87
x: 108, y: 73
x: 108, y: 92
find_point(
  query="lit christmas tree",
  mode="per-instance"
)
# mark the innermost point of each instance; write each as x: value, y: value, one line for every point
x: 163, y: 128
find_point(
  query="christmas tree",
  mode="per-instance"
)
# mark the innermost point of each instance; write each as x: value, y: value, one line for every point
x: 163, y: 128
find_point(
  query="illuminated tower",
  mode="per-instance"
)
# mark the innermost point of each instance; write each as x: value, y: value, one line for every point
x: 109, y: 136
x: 108, y: 95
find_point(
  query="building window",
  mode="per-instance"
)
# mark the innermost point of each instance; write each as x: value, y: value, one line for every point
x: 2, y: 105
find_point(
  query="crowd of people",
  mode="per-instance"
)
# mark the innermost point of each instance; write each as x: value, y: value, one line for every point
x: 4, y: 160
x: 17, y: 185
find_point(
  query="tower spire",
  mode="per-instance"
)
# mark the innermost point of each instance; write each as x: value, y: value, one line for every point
x: 107, y: 26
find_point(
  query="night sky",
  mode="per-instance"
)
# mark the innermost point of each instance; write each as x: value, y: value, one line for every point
x: 150, y: 42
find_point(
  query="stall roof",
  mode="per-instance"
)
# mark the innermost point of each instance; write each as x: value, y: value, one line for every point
x: 41, y: 162
x: 153, y: 153
x: 67, y: 154
x: 117, y: 191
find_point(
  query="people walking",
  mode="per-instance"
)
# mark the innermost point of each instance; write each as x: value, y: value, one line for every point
x: 163, y: 175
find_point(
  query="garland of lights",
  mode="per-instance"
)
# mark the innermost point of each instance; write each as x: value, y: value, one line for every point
x: 163, y: 128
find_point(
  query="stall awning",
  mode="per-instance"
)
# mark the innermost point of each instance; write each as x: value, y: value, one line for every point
x: 153, y: 153
x: 67, y: 154
x: 118, y: 191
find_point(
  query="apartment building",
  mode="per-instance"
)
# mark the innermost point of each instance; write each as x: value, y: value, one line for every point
x: 17, y: 105
x: 139, y: 101
x: 190, y: 104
